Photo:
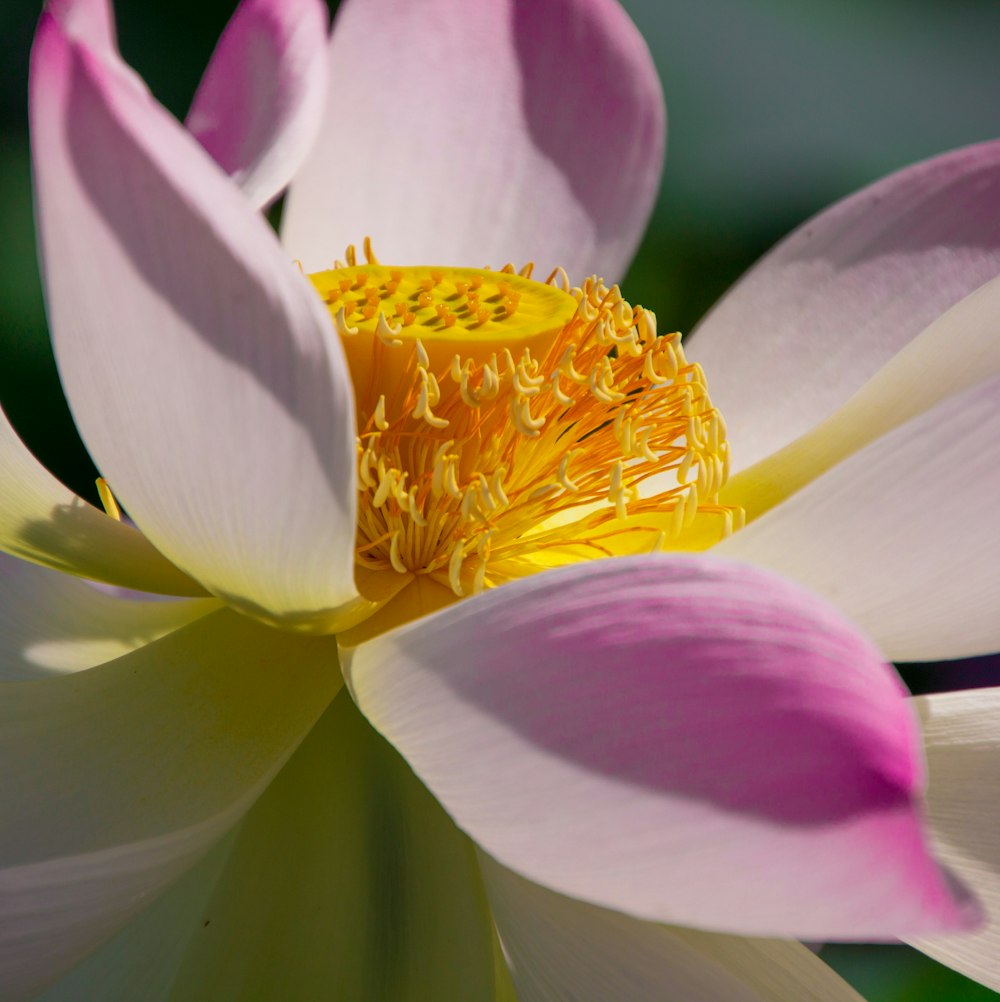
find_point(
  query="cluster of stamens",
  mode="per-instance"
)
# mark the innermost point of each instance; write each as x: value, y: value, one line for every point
x: 506, y: 425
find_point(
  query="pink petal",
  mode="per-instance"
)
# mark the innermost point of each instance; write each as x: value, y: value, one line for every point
x: 901, y: 535
x: 90, y: 21
x: 838, y: 298
x: 686, y: 740
x: 487, y: 132
x: 201, y: 367
x: 259, y: 106
x: 117, y: 779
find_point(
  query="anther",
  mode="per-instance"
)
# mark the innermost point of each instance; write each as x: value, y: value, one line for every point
x: 677, y: 517
x: 451, y: 482
x: 566, y: 367
x: 414, y: 509
x: 559, y: 279
x: 341, y: 326
x: 469, y: 508
x: 379, y: 415
x: 485, y: 497
x: 364, y: 469
x: 563, y: 475
x: 684, y: 470
x: 643, y: 445
x: 422, y: 409
x: 395, y: 558
x: 108, y: 499
x: 524, y: 422
x: 496, y: 486
x: 525, y: 385
x: 645, y: 321
x: 557, y: 391
x: 455, y: 569
x: 479, y: 581
x: 386, y: 333
x: 469, y: 396
x: 385, y: 485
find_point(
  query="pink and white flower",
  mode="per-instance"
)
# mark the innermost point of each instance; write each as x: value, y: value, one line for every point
x: 193, y: 801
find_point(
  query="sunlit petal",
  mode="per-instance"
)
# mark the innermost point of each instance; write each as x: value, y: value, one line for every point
x: 208, y: 386
x: 958, y: 351
x: 45, y: 522
x: 820, y: 314
x: 900, y: 535
x: 646, y: 733
x: 481, y: 133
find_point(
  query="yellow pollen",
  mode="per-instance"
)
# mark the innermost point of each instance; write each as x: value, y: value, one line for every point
x: 507, y: 425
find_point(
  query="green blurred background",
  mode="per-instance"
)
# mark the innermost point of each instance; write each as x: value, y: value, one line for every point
x: 777, y: 107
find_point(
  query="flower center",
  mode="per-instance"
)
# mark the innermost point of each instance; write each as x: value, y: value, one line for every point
x: 507, y: 425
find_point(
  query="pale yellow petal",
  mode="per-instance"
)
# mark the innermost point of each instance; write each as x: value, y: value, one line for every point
x: 43, y: 521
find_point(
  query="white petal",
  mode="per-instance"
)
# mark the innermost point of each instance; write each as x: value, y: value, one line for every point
x: 45, y: 522
x: 901, y: 535
x: 201, y: 367
x: 560, y: 949
x: 346, y: 881
x: 962, y: 732
x: 115, y: 780
x: 480, y: 133
x: 141, y: 962
x: 52, y: 623
x: 831, y: 304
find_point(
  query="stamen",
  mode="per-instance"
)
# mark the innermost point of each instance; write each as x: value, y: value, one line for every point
x: 340, y: 324
x: 108, y: 499
x: 379, y: 416
x: 563, y: 475
x: 505, y: 384
x: 387, y: 334
x: 394, y: 555
x: 455, y: 568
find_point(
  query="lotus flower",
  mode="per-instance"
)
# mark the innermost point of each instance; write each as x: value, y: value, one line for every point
x: 466, y: 493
